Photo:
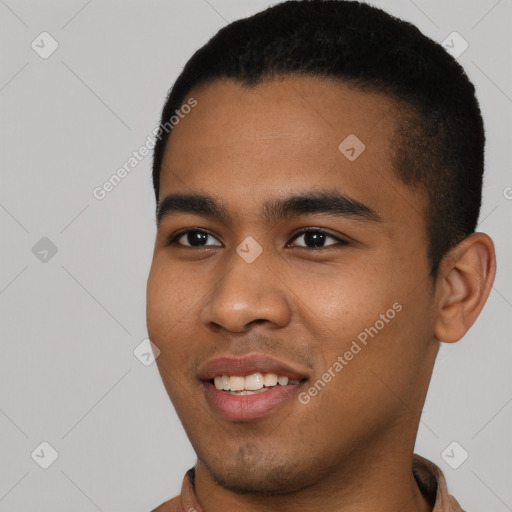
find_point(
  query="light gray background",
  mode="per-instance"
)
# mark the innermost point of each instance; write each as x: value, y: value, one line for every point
x: 69, y: 326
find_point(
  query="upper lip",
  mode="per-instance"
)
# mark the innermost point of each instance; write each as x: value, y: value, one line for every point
x: 248, y: 364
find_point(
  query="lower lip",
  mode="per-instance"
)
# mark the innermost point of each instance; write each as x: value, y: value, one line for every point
x: 248, y: 407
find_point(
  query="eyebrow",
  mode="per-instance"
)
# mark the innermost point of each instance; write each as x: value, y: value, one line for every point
x: 330, y: 202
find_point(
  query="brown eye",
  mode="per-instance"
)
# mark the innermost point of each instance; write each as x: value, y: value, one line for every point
x: 316, y: 238
x: 193, y: 238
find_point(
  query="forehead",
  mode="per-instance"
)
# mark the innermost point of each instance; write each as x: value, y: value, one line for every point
x: 290, y: 108
x: 246, y: 144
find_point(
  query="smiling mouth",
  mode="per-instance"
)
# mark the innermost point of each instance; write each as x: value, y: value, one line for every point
x: 250, y: 387
x: 251, y: 384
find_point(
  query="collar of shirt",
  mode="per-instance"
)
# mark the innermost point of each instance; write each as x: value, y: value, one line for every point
x: 429, y: 477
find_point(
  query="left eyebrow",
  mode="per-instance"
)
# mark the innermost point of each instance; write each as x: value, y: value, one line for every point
x: 329, y: 202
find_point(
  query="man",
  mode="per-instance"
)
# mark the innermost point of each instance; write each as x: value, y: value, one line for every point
x: 317, y: 198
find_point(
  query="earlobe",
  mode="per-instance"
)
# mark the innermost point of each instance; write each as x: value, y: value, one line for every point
x: 465, y: 279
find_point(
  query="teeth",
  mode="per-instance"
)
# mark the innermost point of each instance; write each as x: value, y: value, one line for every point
x: 251, y: 383
x: 254, y: 381
x: 270, y: 379
x: 237, y: 383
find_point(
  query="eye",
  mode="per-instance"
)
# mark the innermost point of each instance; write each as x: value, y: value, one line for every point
x: 192, y: 238
x: 315, y: 238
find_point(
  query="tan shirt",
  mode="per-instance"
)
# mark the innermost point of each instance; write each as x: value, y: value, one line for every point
x: 430, y: 480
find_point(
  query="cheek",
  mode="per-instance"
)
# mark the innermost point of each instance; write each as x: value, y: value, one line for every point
x: 167, y: 306
x: 346, y: 300
x: 157, y: 298
x: 371, y: 319
x: 395, y: 352
x: 169, y: 303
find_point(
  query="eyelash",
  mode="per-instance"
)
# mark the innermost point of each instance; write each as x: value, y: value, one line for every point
x: 340, y: 242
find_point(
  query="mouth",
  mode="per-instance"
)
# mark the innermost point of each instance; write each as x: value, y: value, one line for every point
x: 243, y: 389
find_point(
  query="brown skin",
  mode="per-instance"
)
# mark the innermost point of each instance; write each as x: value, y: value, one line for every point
x: 350, y: 447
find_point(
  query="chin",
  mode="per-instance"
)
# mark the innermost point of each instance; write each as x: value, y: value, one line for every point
x: 251, y: 471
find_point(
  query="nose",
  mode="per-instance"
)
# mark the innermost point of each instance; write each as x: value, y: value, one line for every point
x: 247, y: 293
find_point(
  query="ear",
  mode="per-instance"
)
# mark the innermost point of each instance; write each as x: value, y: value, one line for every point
x: 465, y: 278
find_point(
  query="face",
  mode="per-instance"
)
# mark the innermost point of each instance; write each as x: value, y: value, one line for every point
x: 282, y: 255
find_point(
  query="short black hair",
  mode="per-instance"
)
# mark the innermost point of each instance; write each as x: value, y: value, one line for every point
x: 439, y: 146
